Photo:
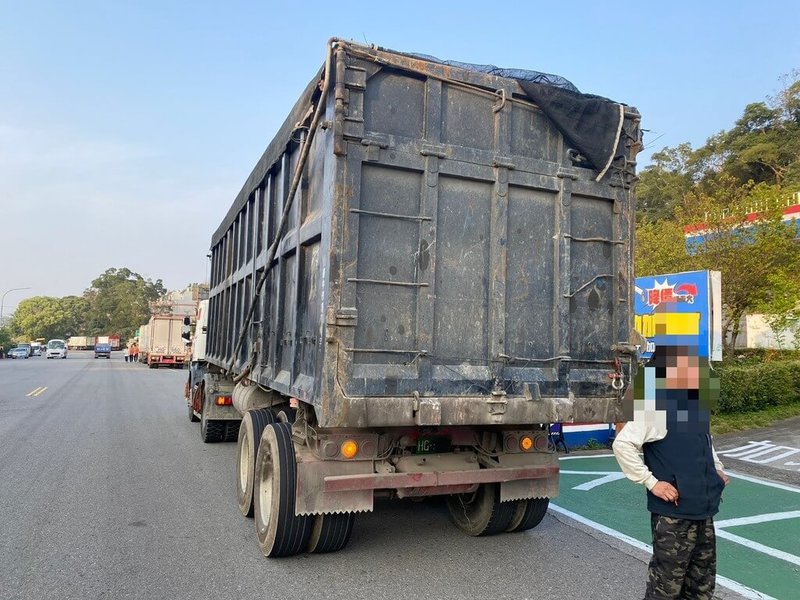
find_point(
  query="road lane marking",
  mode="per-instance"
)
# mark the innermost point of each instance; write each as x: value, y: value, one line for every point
x: 766, y: 518
x: 36, y: 392
x: 607, y: 477
x: 795, y: 560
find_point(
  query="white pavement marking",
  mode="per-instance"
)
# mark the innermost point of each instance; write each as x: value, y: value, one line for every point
x: 725, y: 582
x: 795, y: 560
x: 589, y: 456
x: 608, y: 478
x: 761, y: 453
x: 765, y: 518
x: 780, y: 486
x: 750, y: 448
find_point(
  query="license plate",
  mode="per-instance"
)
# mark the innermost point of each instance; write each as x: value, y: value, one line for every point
x: 432, y: 444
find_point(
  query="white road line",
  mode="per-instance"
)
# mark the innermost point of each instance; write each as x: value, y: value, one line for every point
x: 589, y: 456
x: 610, y: 478
x: 725, y: 582
x: 795, y: 560
x: 563, y: 472
x: 780, y: 486
x: 765, y: 518
x: 35, y: 392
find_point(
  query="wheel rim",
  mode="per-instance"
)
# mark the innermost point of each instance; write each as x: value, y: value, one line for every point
x: 244, y: 462
x: 265, y: 485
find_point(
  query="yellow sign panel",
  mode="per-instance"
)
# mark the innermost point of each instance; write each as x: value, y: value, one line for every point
x: 668, y: 324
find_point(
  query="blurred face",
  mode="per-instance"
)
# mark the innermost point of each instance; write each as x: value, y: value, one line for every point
x: 683, y: 373
x: 678, y: 390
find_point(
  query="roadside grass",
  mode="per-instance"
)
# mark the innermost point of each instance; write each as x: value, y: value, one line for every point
x: 727, y: 423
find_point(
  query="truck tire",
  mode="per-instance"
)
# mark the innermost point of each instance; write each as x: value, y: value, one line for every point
x: 286, y: 415
x: 211, y: 432
x: 481, y: 513
x: 232, y: 430
x: 189, y: 392
x: 331, y: 532
x: 528, y: 514
x: 250, y: 430
x: 280, y: 532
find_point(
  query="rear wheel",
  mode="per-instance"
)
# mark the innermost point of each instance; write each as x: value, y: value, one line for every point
x: 481, y: 513
x: 250, y: 430
x: 330, y: 533
x: 232, y: 430
x: 286, y: 415
x: 280, y: 532
x: 528, y: 514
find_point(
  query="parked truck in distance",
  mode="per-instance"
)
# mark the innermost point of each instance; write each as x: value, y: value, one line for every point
x: 164, y: 345
x: 219, y: 421
x: 80, y: 342
x: 429, y: 264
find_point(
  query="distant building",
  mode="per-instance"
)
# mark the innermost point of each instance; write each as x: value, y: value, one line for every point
x: 696, y: 235
x: 182, y: 303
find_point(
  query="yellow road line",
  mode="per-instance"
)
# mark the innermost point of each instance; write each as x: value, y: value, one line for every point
x: 36, y: 392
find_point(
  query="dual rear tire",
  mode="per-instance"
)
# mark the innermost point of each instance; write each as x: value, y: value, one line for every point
x: 481, y: 513
x: 266, y: 486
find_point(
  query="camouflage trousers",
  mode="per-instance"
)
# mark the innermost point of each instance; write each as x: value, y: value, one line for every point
x: 684, y: 563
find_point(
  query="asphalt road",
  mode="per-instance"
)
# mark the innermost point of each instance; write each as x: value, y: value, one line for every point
x: 106, y: 491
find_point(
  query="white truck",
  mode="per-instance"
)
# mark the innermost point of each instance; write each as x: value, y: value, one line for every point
x: 219, y: 421
x: 163, y: 343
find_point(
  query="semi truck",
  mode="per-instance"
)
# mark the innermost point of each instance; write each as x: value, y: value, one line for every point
x: 80, y: 342
x: 429, y: 264
x: 220, y: 421
x: 165, y: 347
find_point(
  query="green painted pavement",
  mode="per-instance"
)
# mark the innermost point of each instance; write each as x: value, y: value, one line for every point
x: 621, y: 505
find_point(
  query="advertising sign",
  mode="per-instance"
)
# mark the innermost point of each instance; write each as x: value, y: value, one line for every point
x: 681, y: 309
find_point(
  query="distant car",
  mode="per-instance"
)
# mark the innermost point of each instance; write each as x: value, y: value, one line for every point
x: 37, y: 351
x: 56, y: 349
x: 28, y: 349
x: 102, y: 350
x: 18, y: 352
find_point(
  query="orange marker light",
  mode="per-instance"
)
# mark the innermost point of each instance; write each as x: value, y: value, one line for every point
x: 224, y: 400
x: 526, y: 443
x: 349, y: 448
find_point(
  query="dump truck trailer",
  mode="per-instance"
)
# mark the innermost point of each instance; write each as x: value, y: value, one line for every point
x: 429, y: 264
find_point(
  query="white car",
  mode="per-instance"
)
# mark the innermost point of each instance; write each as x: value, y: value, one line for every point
x: 56, y: 349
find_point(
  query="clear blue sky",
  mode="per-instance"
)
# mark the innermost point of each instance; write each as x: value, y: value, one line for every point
x: 127, y: 128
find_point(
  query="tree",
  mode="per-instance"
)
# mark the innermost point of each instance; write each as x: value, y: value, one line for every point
x: 757, y: 258
x: 5, y: 338
x: 663, y: 184
x: 764, y: 144
x: 47, y: 317
x: 119, y: 302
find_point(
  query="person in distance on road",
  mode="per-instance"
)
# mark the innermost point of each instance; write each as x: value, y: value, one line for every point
x: 673, y: 396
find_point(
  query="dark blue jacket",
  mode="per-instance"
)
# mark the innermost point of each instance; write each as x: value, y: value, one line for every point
x: 684, y: 459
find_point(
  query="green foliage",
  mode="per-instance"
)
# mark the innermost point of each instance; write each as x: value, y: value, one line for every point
x: 47, y: 317
x: 5, y: 338
x: 119, y: 301
x: 116, y: 303
x: 663, y: 185
x: 758, y: 386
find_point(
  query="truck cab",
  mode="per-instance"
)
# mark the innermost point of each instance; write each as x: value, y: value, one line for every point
x: 102, y: 350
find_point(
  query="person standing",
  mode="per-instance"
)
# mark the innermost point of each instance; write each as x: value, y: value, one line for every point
x: 126, y: 353
x: 683, y: 476
x: 134, y: 352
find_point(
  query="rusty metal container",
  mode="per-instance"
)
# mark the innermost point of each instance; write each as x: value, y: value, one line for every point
x: 450, y: 256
